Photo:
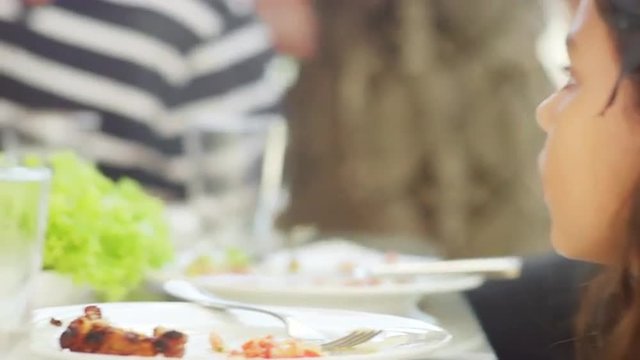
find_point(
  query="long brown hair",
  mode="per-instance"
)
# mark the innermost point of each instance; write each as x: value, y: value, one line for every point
x: 608, y: 325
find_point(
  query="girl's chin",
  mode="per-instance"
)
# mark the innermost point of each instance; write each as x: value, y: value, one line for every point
x: 577, y: 248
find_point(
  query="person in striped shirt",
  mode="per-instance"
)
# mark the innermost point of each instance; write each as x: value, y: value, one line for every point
x: 147, y: 67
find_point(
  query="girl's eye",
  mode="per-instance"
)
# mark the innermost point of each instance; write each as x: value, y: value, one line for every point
x: 570, y: 77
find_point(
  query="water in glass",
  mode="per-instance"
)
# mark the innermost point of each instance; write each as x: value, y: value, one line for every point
x: 23, y: 203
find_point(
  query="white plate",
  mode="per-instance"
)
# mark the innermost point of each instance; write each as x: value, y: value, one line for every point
x: 270, y: 283
x: 295, y: 291
x: 237, y: 327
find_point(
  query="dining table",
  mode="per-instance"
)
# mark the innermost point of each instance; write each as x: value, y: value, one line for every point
x: 449, y: 310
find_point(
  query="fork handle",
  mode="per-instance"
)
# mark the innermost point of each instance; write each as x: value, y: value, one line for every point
x: 186, y: 291
x: 503, y: 267
x: 223, y: 305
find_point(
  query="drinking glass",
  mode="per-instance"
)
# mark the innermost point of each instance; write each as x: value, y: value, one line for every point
x: 44, y: 132
x: 23, y: 213
x: 236, y: 179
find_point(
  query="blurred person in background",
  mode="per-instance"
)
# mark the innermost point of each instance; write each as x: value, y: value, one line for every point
x: 293, y: 24
x: 146, y: 67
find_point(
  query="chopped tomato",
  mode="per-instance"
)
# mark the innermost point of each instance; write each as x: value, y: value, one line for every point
x: 269, y: 348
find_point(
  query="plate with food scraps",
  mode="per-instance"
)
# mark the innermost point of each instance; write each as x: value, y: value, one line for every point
x: 175, y: 330
x: 320, y: 274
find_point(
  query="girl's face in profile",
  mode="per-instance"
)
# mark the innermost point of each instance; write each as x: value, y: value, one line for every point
x: 591, y: 161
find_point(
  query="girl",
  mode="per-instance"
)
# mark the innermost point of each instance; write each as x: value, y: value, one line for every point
x: 591, y: 171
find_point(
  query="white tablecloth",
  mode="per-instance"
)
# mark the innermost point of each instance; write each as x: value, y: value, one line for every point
x: 454, y: 314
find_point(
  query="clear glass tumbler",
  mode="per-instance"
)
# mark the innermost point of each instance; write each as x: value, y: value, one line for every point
x: 23, y: 213
x: 45, y: 132
x: 236, y: 179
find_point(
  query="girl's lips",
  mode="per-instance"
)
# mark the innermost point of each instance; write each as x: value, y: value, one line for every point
x: 542, y: 157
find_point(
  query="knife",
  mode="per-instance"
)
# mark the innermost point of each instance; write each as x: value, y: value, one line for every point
x: 496, y: 267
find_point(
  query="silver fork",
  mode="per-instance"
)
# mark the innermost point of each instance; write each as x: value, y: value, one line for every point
x: 353, y: 339
x: 184, y: 290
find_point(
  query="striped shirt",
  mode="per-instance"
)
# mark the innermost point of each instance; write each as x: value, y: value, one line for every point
x: 147, y: 67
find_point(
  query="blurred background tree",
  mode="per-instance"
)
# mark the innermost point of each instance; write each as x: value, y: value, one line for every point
x: 417, y: 117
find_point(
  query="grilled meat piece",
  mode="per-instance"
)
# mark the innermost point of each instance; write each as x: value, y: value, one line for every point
x: 91, y: 334
x: 169, y: 342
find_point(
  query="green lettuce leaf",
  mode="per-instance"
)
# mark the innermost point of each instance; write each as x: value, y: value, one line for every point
x: 102, y: 233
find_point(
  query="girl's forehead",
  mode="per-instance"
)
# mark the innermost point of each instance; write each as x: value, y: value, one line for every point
x: 588, y: 26
x: 584, y: 19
